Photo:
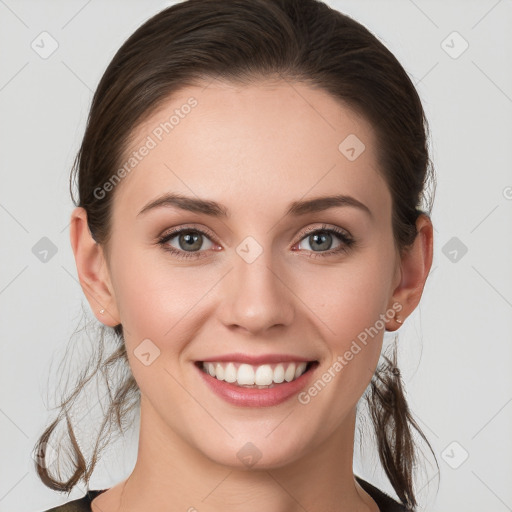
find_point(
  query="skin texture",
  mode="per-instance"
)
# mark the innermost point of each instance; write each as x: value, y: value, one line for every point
x: 254, y: 149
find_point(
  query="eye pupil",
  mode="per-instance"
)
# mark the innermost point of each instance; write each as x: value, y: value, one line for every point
x: 324, y: 237
x: 190, y: 240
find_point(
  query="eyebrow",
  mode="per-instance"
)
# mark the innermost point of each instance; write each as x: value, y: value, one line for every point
x: 214, y: 209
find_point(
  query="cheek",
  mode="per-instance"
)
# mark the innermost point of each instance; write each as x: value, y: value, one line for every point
x: 158, y: 300
x: 159, y: 303
x: 349, y: 299
x: 350, y: 303
x: 349, y: 314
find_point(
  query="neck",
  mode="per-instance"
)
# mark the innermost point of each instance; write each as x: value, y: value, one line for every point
x: 170, y: 474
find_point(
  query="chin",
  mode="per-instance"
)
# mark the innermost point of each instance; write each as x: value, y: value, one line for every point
x: 253, y: 452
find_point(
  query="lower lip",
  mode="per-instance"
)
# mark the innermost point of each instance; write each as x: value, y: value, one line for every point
x: 254, y: 397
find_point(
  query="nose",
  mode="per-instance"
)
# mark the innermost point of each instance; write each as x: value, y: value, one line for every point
x: 256, y: 297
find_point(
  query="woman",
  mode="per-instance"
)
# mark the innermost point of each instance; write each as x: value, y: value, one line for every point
x: 249, y: 225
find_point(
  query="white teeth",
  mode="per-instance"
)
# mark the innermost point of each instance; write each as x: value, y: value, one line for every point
x: 264, y: 375
x: 255, y: 376
x: 279, y: 374
x: 230, y: 373
x: 289, y: 374
x: 245, y: 374
x: 300, y: 369
x: 219, y: 371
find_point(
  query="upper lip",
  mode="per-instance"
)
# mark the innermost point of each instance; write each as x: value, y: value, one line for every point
x: 256, y: 360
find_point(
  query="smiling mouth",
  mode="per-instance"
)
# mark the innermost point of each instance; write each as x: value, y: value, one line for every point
x: 264, y: 376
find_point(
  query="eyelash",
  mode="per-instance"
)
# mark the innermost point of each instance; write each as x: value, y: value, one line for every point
x: 347, y: 241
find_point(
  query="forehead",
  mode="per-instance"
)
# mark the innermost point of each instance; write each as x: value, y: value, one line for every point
x: 261, y: 144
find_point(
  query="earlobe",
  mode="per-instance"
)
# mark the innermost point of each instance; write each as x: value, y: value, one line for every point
x: 415, y: 265
x: 92, y: 269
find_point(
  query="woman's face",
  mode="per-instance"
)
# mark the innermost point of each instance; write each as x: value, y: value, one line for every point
x: 254, y: 282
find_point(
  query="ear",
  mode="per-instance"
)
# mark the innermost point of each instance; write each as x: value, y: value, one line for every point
x: 415, y: 264
x: 92, y: 270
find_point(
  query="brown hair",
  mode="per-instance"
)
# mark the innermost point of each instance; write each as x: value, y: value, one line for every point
x: 245, y: 41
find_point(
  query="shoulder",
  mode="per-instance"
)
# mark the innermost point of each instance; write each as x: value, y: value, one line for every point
x: 80, y: 505
x: 385, y: 502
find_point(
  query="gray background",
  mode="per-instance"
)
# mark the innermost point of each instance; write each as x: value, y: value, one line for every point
x: 455, y: 350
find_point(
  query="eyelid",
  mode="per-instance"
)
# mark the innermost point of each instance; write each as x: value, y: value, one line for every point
x: 191, y: 227
x: 324, y: 227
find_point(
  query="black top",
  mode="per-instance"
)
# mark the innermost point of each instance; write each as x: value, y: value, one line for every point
x: 384, y: 501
